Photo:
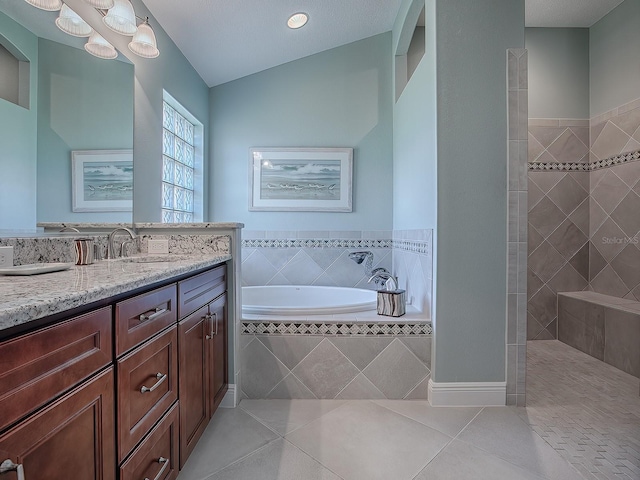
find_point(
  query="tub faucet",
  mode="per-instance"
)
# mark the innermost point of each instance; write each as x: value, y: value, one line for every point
x: 383, y: 278
x: 111, y: 247
x: 364, y: 256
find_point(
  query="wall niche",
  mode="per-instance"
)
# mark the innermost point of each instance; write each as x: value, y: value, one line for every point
x: 14, y: 75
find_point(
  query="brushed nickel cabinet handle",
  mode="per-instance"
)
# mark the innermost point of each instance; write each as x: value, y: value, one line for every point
x: 161, y: 378
x: 207, y: 318
x: 8, y: 466
x: 156, y: 313
x: 215, y: 322
x: 165, y: 463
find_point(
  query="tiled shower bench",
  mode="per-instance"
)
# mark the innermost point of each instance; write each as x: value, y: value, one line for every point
x: 605, y: 327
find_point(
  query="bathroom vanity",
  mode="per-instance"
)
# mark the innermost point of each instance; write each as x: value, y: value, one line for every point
x: 111, y: 370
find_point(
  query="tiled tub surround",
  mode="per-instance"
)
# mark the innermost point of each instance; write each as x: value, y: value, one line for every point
x: 322, y: 258
x: 583, y: 224
x: 336, y: 357
x: 605, y: 327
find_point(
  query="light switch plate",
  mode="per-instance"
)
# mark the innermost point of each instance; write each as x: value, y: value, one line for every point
x: 6, y: 257
x: 158, y: 246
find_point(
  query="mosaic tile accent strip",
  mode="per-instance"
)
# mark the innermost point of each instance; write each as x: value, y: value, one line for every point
x: 316, y: 243
x: 413, y: 246
x: 337, y: 329
x: 585, y: 167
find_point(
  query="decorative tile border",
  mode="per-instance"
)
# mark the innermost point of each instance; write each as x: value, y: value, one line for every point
x: 414, y: 246
x: 315, y: 243
x: 338, y: 329
x: 586, y: 167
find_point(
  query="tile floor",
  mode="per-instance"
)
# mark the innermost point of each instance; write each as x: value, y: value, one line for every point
x: 583, y: 412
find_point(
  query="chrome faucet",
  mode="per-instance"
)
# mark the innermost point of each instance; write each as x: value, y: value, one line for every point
x: 384, y: 278
x: 111, y: 247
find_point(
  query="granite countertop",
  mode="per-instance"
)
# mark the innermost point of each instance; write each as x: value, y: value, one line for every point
x: 27, y: 298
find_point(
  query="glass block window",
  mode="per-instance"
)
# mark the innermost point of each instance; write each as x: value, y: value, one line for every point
x: 178, y: 167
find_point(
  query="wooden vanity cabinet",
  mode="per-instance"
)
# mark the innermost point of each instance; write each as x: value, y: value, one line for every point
x: 73, y: 437
x: 202, y: 343
x: 100, y: 396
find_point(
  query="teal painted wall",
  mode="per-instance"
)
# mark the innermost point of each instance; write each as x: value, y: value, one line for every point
x: 471, y: 234
x: 614, y: 45
x: 85, y: 103
x: 338, y: 98
x: 558, y: 72
x: 18, y: 129
x: 414, y: 132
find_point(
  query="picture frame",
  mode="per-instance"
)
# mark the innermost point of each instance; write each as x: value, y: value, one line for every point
x: 300, y: 179
x: 102, y: 180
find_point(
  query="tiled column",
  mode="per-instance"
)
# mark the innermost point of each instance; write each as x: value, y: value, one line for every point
x: 517, y: 225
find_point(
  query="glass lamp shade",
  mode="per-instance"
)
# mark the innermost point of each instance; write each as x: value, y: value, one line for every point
x: 121, y: 18
x: 50, y: 5
x: 99, y: 47
x: 101, y: 4
x: 144, y: 42
x: 70, y: 22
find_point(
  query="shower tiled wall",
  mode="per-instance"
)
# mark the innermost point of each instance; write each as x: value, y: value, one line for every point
x: 584, y: 225
x: 322, y: 258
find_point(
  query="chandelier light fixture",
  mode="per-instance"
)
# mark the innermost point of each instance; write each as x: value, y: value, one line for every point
x: 144, y: 41
x: 99, y: 47
x: 70, y: 22
x: 49, y: 5
x: 121, y: 18
x: 118, y: 15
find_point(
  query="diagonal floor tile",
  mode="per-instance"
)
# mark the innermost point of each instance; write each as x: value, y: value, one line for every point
x: 462, y: 461
x: 277, y: 461
x: 449, y: 421
x: 231, y: 435
x: 364, y: 441
x: 285, y: 416
x: 500, y: 431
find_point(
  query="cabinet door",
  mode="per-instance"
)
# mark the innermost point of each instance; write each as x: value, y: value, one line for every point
x: 37, y: 367
x: 218, y: 353
x: 193, y: 343
x: 74, y: 437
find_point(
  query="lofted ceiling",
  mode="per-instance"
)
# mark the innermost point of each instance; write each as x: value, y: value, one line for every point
x: 226, y: 40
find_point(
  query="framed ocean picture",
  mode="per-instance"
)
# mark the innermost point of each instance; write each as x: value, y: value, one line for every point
x: 102, y: 180
x: 300, y: 179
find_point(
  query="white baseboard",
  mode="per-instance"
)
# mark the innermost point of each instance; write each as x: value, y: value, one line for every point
x: 229, y: 399
x: 469, y: 394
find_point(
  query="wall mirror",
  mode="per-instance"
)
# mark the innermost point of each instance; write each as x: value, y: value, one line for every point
x: 73, y: 102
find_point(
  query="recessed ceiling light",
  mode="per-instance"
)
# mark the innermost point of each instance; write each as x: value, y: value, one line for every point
x: 297, y: 20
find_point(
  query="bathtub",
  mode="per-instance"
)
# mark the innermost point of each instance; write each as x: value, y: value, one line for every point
x: 306, y: 300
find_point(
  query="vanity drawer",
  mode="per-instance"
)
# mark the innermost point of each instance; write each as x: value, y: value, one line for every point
x: 157, y: 456
x: 37, y: 367
x: 147, y: 387
x: 197, y: 291
x: 141, y: 317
